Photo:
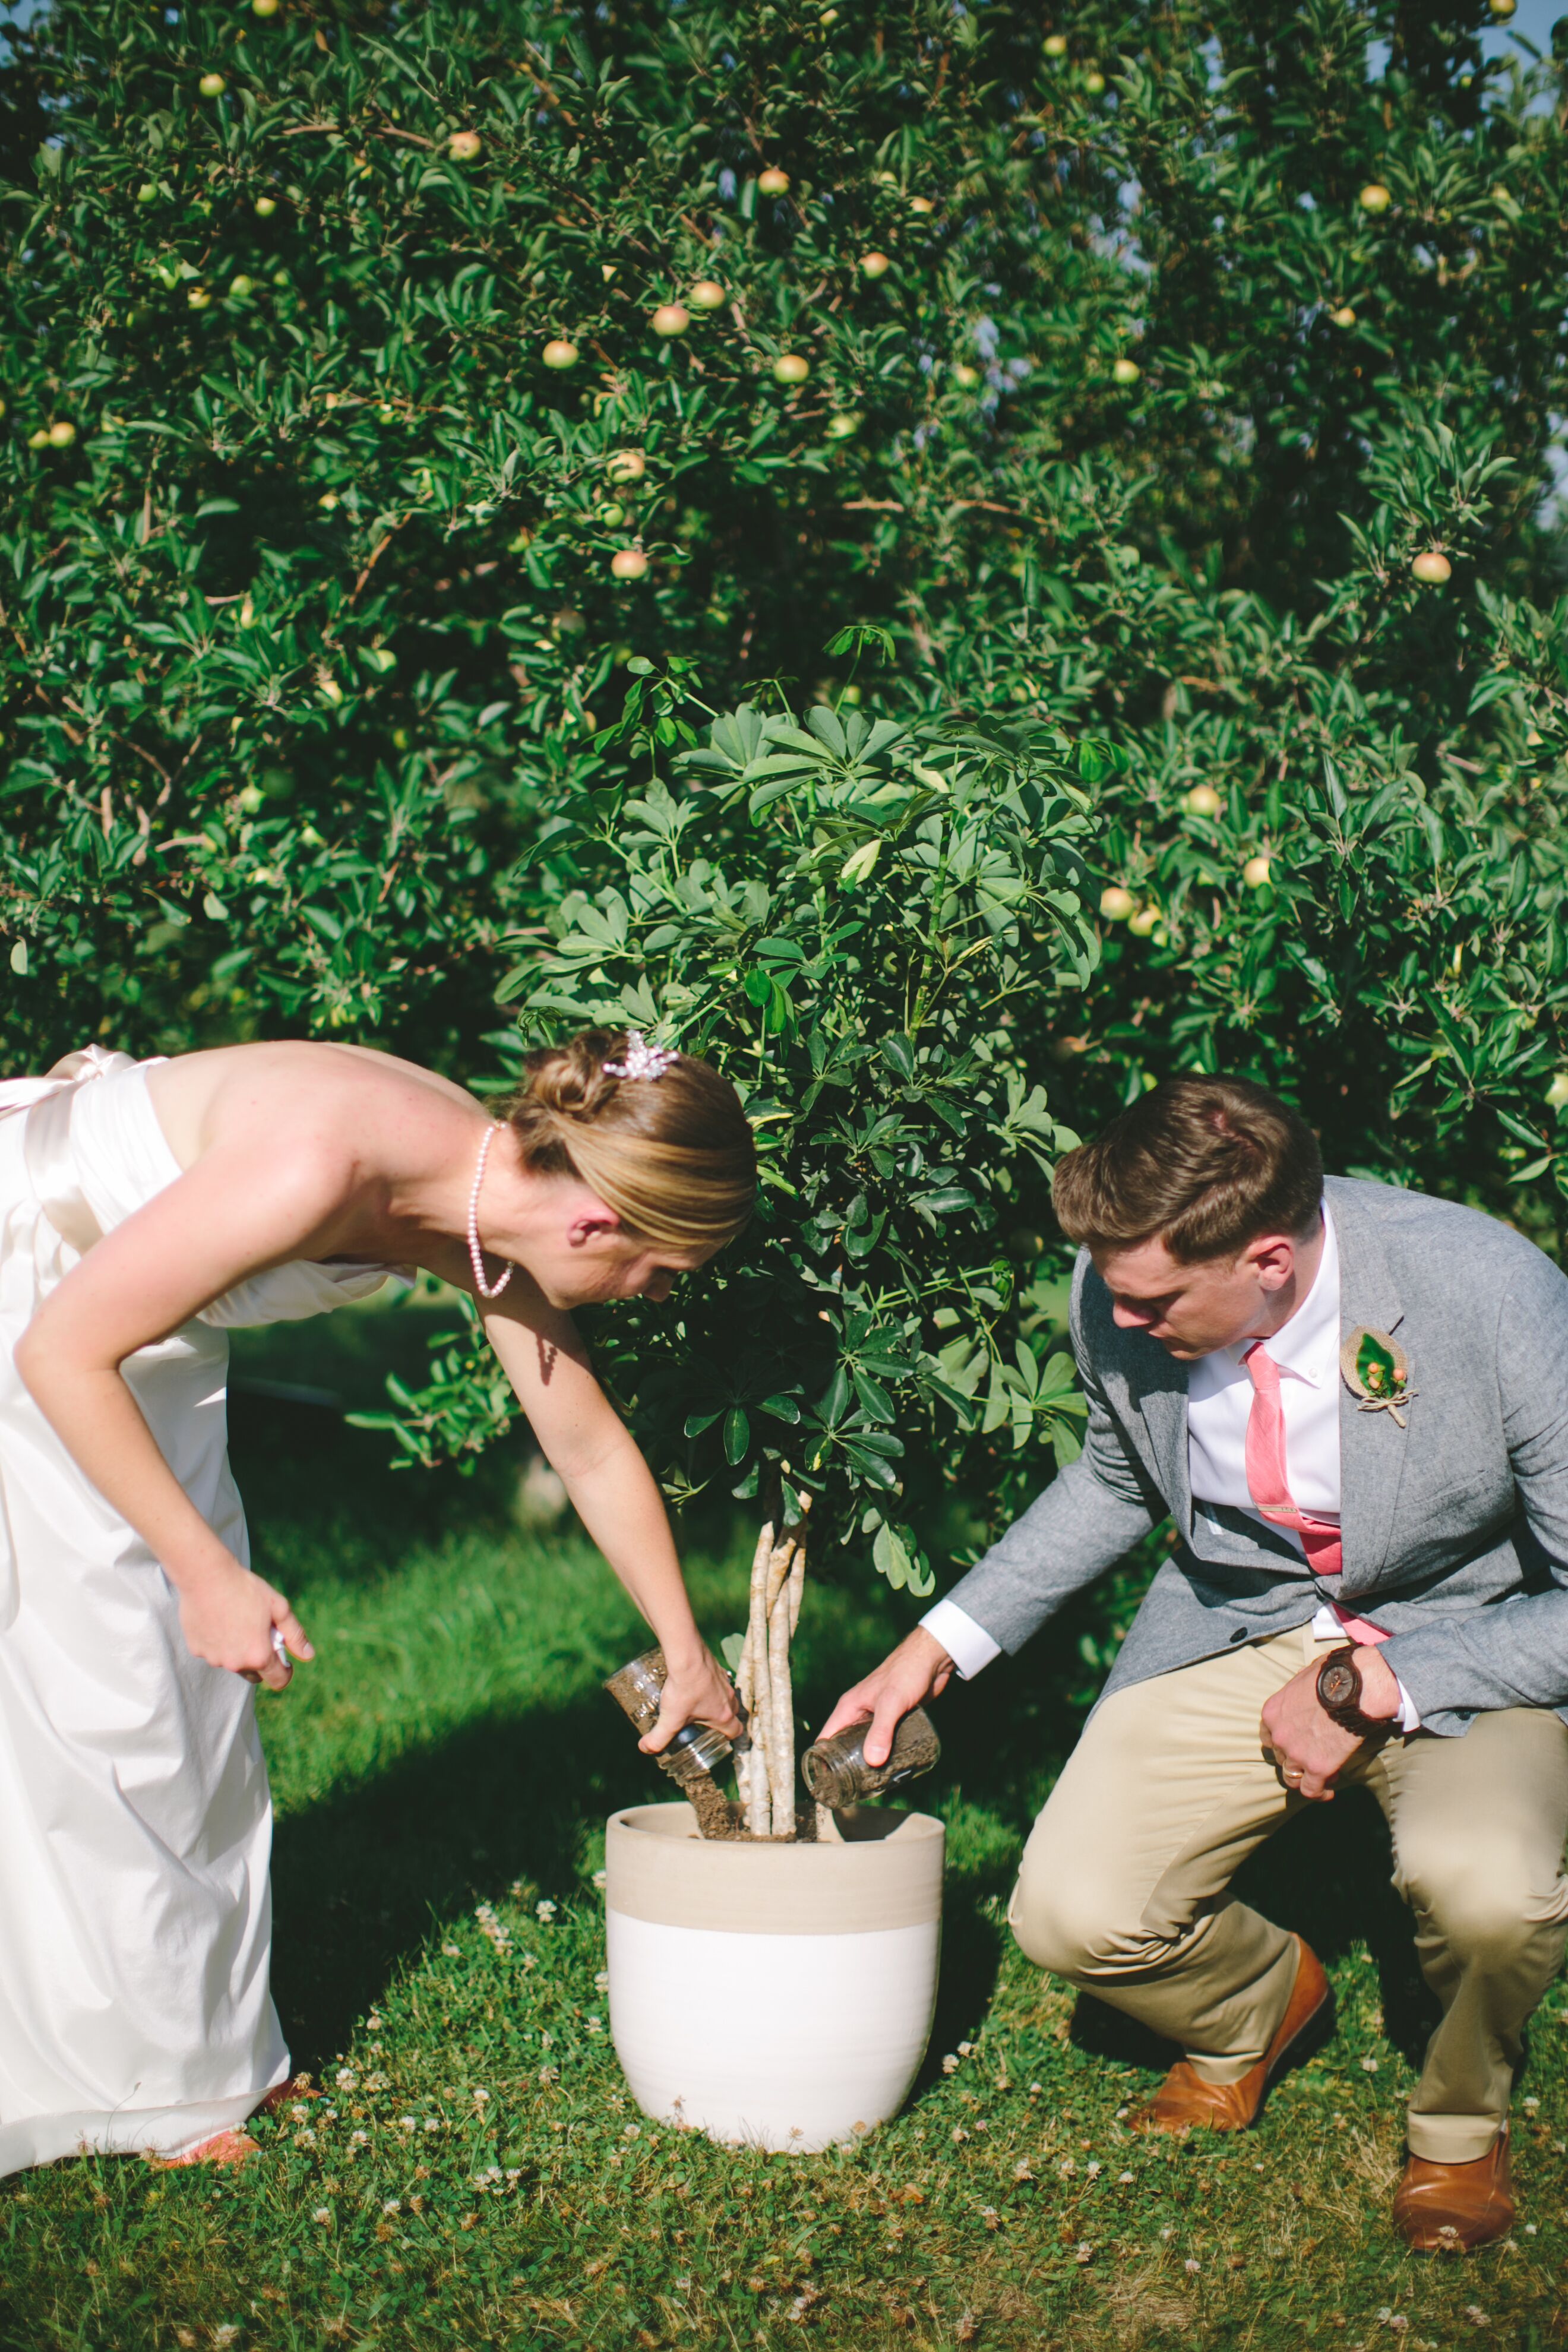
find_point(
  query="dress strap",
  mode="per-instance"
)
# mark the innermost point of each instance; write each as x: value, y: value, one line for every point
x: 46, y: 1139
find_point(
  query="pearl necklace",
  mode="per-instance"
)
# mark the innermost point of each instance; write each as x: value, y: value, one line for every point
x: 476, y: 1256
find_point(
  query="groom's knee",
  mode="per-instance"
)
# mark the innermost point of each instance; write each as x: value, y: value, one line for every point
x: 1077, y: 1930
x: 1481, y: 1895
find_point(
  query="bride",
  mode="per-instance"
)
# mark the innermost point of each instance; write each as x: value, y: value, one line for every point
x: 145, y: 1206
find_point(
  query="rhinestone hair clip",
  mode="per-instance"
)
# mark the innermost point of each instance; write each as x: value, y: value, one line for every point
x: 643, y: 1060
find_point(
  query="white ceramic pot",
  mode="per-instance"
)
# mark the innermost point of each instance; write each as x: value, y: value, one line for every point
x: 776, y: 1995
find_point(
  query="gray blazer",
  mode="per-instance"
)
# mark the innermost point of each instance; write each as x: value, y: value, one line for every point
x: 1455, y: 1528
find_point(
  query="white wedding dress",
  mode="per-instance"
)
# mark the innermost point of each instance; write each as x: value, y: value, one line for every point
x: 135, y: 1820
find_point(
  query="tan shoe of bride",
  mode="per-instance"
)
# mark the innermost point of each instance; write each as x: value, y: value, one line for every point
x: 224, y: 2148
x: 1184, y: 2100
x: 235, y: 2145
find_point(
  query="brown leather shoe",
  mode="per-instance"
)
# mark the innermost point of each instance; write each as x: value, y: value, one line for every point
x: 1184, y: 2100
x: 1450, y: 2208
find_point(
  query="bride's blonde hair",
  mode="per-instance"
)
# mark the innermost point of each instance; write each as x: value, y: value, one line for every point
x: 671, y: 1155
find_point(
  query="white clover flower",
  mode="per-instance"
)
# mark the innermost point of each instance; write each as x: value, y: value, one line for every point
x: 602, y: 1981
x: 451, y: 1951
x: 1192, y: 2266
x: 405, y: 2123
x: 1123, y: 2179
x: 601, y: 1880
x: 345, y: 2078
x: 1092, y: 2171
x: 322, y: 2213
x: 392, y: 2205
x: 498, y: 1933
x: 545, y: 1910
x: 1369, y: 2065
x: 949, y: 2065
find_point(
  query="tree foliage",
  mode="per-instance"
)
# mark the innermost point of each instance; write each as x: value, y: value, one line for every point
x: 857, y: 920
x: 407, y: 407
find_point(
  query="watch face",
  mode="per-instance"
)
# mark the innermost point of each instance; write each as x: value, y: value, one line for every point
x: 1339, y: 1685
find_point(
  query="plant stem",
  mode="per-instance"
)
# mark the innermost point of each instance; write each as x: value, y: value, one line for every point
x: 754, y: 1690
x: 781, y: 1693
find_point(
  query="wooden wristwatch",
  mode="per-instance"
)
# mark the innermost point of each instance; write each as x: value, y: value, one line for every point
x: 1339, y: 1694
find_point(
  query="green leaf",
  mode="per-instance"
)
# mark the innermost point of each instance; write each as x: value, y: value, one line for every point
x: 1375, y: 1368
x: 891, y: 1556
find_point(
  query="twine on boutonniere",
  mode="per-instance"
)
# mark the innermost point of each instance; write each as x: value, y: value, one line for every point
x: 1376, y: 1371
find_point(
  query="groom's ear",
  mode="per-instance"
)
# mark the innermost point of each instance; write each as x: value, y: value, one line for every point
x: 1272, y: 1257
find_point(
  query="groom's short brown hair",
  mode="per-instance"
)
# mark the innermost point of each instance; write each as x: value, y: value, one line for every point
x: 1204, y: 1165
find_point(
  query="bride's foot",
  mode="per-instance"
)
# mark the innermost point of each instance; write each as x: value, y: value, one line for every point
x: 224, y: 2148
x: 236, y: 2146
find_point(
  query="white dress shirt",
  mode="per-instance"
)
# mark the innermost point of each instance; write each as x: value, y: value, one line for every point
x: 1219, y: 1402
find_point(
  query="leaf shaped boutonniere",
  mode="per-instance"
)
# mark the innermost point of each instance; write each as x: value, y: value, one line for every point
x: 1377, y: 1371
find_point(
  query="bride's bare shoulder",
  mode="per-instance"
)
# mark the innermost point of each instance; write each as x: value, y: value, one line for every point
x: 304, y: 1085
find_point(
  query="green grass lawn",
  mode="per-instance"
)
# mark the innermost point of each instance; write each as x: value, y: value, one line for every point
x: 476, y: 2173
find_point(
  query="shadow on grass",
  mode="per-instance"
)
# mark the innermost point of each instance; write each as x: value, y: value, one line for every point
x: 361, y: 1878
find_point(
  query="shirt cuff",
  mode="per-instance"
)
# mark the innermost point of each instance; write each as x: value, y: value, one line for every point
x: 1409, y: 1713
x: 969, y: 1645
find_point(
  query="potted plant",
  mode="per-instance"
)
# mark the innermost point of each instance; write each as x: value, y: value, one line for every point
x: 849, y: 916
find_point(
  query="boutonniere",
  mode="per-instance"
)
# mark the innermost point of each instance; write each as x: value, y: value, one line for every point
x: 1377, y: 1371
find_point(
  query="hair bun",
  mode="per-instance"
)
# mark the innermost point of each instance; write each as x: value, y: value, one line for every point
x: 672, y: 1155
x: 570, y: 1080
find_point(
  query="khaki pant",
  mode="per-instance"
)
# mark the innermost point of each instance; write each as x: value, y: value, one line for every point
x: 1123, y: 1888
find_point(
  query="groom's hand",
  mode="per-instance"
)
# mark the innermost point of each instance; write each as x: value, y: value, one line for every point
x: 920, y: 1668
x: 1309, y: 1746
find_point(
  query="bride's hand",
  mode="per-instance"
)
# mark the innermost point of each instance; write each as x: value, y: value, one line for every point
x: 229, y: 1621
x: 700, y: 1693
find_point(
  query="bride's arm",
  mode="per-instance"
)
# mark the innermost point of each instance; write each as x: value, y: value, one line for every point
x: 224, y: 1220
x: 613, y: 1492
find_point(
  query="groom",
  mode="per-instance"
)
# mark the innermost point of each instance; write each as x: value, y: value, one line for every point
x: 1353, y: 1404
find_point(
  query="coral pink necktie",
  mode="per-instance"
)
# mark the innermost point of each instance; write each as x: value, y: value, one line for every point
x: 1269, y: 1487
